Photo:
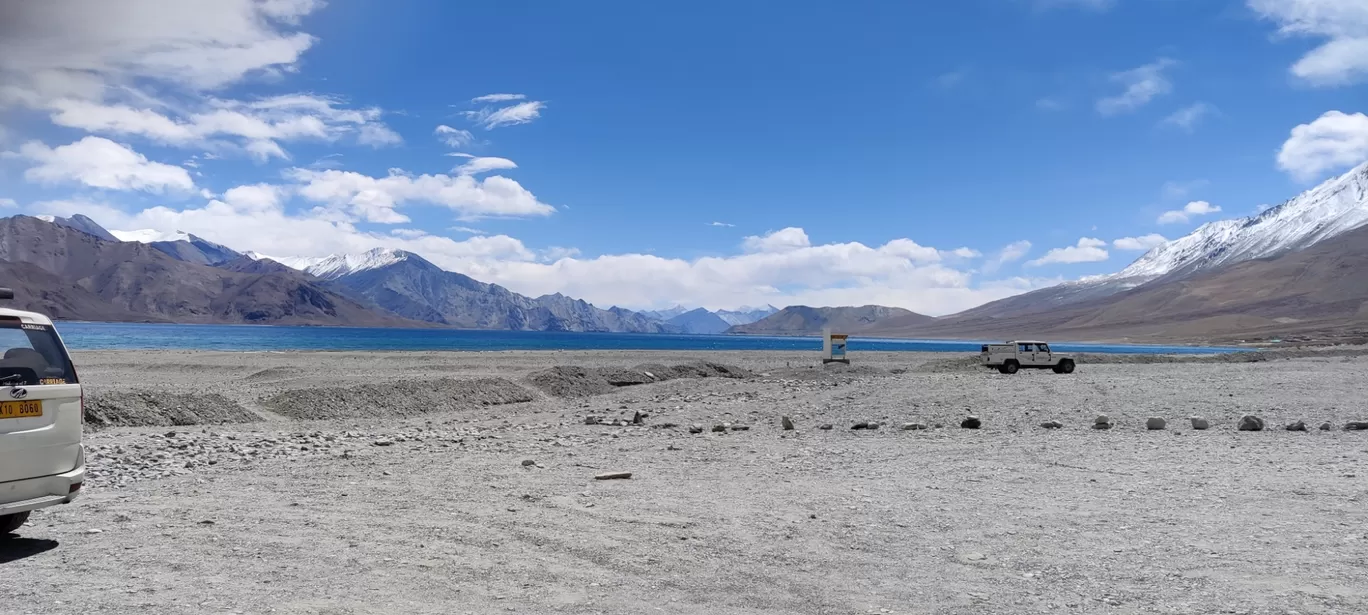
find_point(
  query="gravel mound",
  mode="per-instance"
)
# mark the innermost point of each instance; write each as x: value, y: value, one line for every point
x: 148, y: 408
x: 401, y: 398
x: 571, y: 381
x: 274, y: 373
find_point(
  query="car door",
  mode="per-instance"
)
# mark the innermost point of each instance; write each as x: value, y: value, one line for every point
x: 1043, y: 355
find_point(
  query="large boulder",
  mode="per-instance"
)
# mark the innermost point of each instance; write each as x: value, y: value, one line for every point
x: 1250, y: 422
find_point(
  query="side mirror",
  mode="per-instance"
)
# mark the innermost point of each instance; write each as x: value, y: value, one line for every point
x: 6, y: 294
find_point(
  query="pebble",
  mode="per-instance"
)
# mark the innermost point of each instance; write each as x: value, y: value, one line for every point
x: 1250, y: 422
x: 613, y: 476
x: 786, y: 422
x: 1297, y: 426
x: 1356, y: 426
x: 695, y: 429
x: 740, y: 427
x: 719, y: 428
x: 94, y: 531
x: 1326, y: 426
x: 913, y: 426
x: 860, y: 425
x: 1102, y: 422
x: 528, y: 463
x: 591, y: 420
x: 1155, y: 423
x: 971, y: 422
x: 383, y: 442
x: 1200, y: 423
x: 976, y: 557
x: 826, y: 427
x: 1052, y: 425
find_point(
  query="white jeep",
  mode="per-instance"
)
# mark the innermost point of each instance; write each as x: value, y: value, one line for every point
x: 42, y: 461
x: 1012, y: 356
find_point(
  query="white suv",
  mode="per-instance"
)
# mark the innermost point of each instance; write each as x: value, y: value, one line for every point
x: 42, y: 461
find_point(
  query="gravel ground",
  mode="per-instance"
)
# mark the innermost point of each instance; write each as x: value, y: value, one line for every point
x: 488, y: 502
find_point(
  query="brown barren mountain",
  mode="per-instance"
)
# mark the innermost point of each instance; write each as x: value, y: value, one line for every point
x: 71, y: 274
x: 1316, y: 294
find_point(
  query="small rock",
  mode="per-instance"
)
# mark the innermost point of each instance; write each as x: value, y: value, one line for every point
x: 1155, y: 423
x: 873, y: 425
x: 1102, y: 422
x: 383, y: 443
x: 591, y: 420
x: 976, y: 557
x: 786, y: 422
x: 740, y: 427
x: 826, y: 427
x: 639, y: 417
x: 528, y: 463
x: 860, y: 425
x: 719, y: 428
x: 1356, y: 426
x: 971, y: 422
x: 1326, y: 426
x: 695, y: 429
x: 207, y: 522
x: 1200, y: 423
x: 613, y: 476
x: 1052, y: 425
x: 1297, y: 426
x: 94, y: 531
x: 1250, y: 422
x: 913, y: 426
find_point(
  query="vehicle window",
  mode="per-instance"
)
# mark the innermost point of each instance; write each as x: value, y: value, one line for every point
x: 1042, y: 347
x: 1024, y: 348
x: 32, y: 355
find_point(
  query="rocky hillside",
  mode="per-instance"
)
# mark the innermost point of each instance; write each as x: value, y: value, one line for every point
x: 804, y: 320
x: 411, y: 287
x: 72, y: 274
x: 699, y: 321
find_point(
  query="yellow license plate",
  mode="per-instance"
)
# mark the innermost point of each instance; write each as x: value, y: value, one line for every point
x: 20, y: 409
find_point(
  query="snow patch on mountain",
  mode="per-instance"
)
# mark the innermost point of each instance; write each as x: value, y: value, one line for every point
x: 1335, y: 207
x: 338, y: 265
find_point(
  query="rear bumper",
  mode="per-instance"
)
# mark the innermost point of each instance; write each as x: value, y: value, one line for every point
x: 25, y: 495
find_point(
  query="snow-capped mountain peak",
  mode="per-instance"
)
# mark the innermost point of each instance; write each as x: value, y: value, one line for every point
x: 338, y: 265
x: 1337, y: 206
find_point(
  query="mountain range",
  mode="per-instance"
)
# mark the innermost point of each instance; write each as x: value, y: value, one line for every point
x: 1292, y: 271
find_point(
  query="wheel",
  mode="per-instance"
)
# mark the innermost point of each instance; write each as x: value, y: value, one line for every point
x: 11, y: 523
x: 1065, y: 367
x: 1009, y: 367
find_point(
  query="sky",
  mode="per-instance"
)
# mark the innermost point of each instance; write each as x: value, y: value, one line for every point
x: 929, y: 155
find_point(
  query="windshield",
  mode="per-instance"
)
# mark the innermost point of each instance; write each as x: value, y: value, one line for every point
x: 32, y: 355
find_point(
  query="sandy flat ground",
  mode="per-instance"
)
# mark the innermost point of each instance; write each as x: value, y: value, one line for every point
x: 389, y: 508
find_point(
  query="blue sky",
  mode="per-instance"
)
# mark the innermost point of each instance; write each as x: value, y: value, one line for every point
x: 849, y: 152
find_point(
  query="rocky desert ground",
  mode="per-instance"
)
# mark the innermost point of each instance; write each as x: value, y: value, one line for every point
x: 349, y: 483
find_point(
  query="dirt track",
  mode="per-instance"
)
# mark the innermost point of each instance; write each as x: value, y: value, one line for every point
x: 444, y: 518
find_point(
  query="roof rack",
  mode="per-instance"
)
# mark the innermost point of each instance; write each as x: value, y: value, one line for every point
x: 6, y: 294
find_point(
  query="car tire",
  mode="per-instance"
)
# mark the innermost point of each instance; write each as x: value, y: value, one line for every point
x: 1065, y: 367
x: 1009, y: 367
x: 11, y: 523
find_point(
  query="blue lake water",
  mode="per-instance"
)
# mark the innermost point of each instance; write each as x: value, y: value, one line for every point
x: 118, y: 336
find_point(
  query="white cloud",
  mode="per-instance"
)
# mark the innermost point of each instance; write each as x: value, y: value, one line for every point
x: 1009, y: 253
x: 723, y: 224
x: 454, y: 137
x: 963, y: 253
x: 484, y: 164
x: 1181, y: 216
x: 1343, y: 58
x: 1333, y: 141
x: 782, y: 240
x: 57, y: 49
x: 8, y: 203
x: 497, y: 98
x: 1188, y: 117
x: 100, y: 163
x: 1141, y: 243
x: 1143, y: 84
x: 258, y: 126
x: 375, y: 198
x: 1087, y: 250
x: 521, y: 113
